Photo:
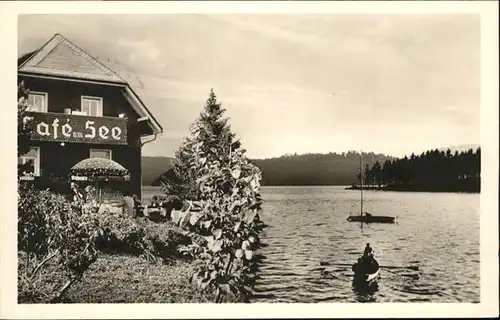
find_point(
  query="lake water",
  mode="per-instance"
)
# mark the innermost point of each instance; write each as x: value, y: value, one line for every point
x: 438, y: 232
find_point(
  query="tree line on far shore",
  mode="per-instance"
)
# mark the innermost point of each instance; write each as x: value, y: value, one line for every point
x: 289, y: 170
x: 315, y: 169
x: 433, y: 170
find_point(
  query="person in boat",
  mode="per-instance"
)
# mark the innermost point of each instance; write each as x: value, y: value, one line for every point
x: 368, y: 253
x: 367, y: 263
x: 368, y: 215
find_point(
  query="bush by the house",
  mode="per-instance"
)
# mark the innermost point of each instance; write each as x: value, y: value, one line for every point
x: 51, y: 230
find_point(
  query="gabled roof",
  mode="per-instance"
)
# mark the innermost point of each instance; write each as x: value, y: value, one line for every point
x: 59, y: 57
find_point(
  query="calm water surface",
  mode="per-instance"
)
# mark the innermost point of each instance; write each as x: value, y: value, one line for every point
x: 438, y: 232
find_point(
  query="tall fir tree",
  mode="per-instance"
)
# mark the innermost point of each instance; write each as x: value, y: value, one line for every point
x: 211, y: 135
x: 212, y: 169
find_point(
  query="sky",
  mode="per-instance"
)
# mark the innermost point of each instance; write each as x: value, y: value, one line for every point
x: 392, y: 84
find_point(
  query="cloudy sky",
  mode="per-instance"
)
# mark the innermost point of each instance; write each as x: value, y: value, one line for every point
x: 293, y: 83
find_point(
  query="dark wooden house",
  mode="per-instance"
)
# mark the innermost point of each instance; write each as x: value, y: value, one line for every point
x: 81, y: 109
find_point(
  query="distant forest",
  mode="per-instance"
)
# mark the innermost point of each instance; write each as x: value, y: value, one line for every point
x: 433, y: 170
x: 306, y: 169
x: 315, y: 169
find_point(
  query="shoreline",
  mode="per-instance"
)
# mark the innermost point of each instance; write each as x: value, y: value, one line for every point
x: 394, y: 189
x: 406, y: 189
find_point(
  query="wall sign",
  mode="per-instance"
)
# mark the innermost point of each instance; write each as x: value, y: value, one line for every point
x: 78, y: 129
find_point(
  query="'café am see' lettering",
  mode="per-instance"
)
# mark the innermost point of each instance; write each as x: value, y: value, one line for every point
x: 57, y: 131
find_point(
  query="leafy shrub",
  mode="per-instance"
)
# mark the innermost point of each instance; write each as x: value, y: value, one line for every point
x: 230, y: 222
x: 53, y: 230
x: 139, y: 236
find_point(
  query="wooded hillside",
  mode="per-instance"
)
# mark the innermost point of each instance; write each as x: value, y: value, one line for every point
x: 343, y: 168
x: 307, y: 169
x: 153, y: 167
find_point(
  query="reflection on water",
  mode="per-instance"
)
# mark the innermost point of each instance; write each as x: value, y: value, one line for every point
x: 438, y: 232
x: 364, y: 292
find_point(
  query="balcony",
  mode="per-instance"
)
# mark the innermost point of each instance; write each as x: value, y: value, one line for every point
x: 71, y: 128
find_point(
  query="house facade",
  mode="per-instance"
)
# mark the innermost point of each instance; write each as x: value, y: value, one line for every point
x: 81, y: 109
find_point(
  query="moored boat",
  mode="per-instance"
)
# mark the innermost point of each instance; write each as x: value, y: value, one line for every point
x: 371, y: 219
x: 365, y: 216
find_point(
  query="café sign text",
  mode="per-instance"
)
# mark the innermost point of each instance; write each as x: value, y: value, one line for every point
x: 79, y: 129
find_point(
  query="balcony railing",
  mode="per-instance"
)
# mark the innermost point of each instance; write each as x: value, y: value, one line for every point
x: 59, y: 127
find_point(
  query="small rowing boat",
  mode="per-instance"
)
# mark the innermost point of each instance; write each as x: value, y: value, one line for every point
x: 366, y: 271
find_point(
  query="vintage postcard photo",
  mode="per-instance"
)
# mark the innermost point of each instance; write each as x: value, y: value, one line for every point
x: 234, y: 158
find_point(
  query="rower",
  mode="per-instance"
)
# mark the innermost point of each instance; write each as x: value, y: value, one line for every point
x: 368, y: 251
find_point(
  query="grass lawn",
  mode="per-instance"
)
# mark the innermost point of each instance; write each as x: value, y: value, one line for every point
x: 131, y: 279
x: 127, y: 278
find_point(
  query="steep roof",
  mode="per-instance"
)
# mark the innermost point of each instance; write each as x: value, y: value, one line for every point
x: 59, y: 57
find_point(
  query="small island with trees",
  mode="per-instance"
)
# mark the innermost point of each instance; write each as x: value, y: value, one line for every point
x: 432, y: 171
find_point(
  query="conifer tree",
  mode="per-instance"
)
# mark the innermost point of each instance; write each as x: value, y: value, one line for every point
x: 212, y: 135
x: 213, y: 170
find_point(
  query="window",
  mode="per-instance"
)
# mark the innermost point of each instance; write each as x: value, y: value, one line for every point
x: 33, y: 158
x: 100, y: 153
x: 92, y: 106
x: 37, y: 102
